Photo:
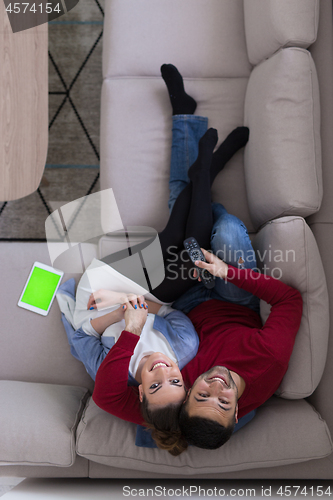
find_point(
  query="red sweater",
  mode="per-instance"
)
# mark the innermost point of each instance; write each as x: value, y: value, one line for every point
x: 233, y: 336
x: 230, y: 335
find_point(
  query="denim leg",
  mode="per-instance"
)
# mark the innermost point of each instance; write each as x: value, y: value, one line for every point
x: 187, y: 130
x: 193, y: 297
x: 230, y: 241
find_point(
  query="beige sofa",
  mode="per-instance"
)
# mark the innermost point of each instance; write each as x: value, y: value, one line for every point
x: 245, y: 61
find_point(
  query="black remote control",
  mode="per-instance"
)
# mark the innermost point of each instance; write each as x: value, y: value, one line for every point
x: 195, y: 253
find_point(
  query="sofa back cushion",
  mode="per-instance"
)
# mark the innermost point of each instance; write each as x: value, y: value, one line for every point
x: 285, y: 425
x: 201, y: 40
x: 287, y: 250
x: 38, y: 423
x: 283, y: 156
x: 141, y: 106
x: 273, y: 24
x: 26, y: 336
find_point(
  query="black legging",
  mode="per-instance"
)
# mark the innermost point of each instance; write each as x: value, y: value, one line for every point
x: 190, y: 216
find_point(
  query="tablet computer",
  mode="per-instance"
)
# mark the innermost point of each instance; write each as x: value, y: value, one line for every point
x: 40, y: 288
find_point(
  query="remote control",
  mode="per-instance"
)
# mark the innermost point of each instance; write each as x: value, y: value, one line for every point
x: 195, y: 253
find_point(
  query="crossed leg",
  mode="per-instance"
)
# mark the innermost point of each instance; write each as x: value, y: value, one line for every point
x: 190, y: 197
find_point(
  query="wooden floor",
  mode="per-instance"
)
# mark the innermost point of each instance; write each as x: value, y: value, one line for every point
x: 24, y: 110
x: 72, y: 163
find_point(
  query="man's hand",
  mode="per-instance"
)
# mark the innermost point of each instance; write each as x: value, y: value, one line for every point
x: 214, y: 265
x: 135, y: 319
x: 106, y: 298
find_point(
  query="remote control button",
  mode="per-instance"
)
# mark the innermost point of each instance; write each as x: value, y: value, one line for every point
x: 195, y: 254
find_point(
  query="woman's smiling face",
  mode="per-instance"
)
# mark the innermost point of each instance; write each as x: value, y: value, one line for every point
x: 162, y: 383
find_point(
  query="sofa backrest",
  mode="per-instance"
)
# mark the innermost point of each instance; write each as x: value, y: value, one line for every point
x: 287, y: 250
x: 140, y: 36
x: 274, y: 24
x: 282, y: 161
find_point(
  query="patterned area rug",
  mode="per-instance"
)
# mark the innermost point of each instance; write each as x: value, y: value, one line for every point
x: 72, y: 165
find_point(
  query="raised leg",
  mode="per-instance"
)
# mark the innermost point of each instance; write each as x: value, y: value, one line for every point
x: 187, y: 130
x: 191, y: 214
x: 199, y: 223
x: 232, y: 143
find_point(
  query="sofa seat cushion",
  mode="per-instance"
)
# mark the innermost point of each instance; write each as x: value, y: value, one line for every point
x: 273, y: 24
x: 213, y: 38
x: 286, y: 249
x: 38, y: 423
x: 278, y: 434
x: 27, y: 336
x: 136, y: 123
x: 283, y: 156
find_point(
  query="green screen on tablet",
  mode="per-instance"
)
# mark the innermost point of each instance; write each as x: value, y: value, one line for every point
x: 40, y: 289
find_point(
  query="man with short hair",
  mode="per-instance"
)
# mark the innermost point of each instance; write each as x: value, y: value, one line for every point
x: 240, y: 363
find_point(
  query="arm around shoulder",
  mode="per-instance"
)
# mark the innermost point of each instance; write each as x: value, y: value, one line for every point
x: 111, y: 392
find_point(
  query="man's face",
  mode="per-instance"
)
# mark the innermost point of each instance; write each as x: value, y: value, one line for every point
x: 162, y: 382
x: 214, y: 396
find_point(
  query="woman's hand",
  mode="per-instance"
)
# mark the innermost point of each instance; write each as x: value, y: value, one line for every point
x: 214, y: 265
x: 106, y: 298
x: 100, y: 324
x: 135, y: 319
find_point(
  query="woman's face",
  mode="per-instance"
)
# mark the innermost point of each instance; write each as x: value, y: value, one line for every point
x: 162, y: 382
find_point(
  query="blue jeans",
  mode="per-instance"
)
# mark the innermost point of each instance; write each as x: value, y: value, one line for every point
x: 229, y: 240
x: 187, y: 130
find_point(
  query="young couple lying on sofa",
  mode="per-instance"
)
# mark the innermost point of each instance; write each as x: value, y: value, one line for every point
x: 207, y: 360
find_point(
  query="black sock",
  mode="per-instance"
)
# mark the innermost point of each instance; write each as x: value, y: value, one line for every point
x: 234, y: 141
x: 182, y: 103
x: 203, y: 163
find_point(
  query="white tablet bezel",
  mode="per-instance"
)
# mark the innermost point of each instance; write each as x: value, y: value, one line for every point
x: 29, y: 307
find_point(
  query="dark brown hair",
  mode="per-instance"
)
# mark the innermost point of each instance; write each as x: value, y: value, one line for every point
x: 204, y: 432
x: 163, y: 423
